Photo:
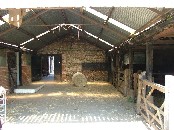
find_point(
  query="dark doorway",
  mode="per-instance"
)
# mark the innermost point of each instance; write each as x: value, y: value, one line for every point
x: 58, y: 67
x: 36, y: 68
x: 47, y: 67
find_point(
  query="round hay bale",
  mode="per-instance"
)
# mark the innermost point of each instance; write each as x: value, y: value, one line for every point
x: 79, y: 79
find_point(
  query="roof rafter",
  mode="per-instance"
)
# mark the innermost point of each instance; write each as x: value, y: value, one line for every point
x: 99, y: 24
x: 28, y: 20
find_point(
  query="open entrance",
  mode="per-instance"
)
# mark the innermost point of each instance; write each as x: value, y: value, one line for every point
x: 47, y: 67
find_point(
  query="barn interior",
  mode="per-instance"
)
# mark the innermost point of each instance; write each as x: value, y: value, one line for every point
x: 106, y: 44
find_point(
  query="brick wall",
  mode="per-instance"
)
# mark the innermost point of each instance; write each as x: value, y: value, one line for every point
x: 74, y: 53
x: 4, y: 77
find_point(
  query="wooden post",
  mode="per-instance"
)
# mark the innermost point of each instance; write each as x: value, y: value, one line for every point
x: 149, y: 61
x: 117, y: 69
x: 169, y: 108
x: 17, y: 70
x: 130, y: 72
x: 135, y: 78
x: 126, y: 82
x: 140, y: 89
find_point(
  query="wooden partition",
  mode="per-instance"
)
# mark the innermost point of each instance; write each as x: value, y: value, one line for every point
x: 123, y: 82
x: 153, y: 115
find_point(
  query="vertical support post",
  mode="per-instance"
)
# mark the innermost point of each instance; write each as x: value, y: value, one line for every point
x: 168, y: 108
x: 149, y: 61
x: 126, y: 82
x: 129, y: 92
x: 17, y: 64
x: 117, y: 69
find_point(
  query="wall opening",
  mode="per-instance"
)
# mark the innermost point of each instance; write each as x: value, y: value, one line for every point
x: 46, y: 67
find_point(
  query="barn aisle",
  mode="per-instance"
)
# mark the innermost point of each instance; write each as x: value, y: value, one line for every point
x: 62, y: 106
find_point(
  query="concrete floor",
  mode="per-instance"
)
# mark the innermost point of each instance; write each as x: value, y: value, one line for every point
x: 63, y: 106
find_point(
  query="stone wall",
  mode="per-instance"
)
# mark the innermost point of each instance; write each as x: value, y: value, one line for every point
x: 75, y: 52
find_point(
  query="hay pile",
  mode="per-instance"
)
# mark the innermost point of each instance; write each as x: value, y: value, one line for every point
x: 79, y: 79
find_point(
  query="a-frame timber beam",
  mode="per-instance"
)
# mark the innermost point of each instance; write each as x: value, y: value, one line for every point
x: 153, y: 21
x: 99, y: 24
x: 26, y: 21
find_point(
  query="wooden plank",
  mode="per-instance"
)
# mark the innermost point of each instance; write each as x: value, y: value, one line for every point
x: 139, y: 97
x: 146, y: 109
x: 160, y: 119
x: 155, y: 86
x: 150, y: 93
x: 149, y: 113
x: 162, y: 106
x: 151, y: 104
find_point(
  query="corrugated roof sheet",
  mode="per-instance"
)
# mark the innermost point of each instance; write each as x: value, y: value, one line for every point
x: 4, y: 27
x: 53, y: 17
x: 35, y: 25
x: 15, y: 36
x: 130, y: 16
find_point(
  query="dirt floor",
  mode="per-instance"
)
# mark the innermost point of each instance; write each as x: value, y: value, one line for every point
x: 61, y: 106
